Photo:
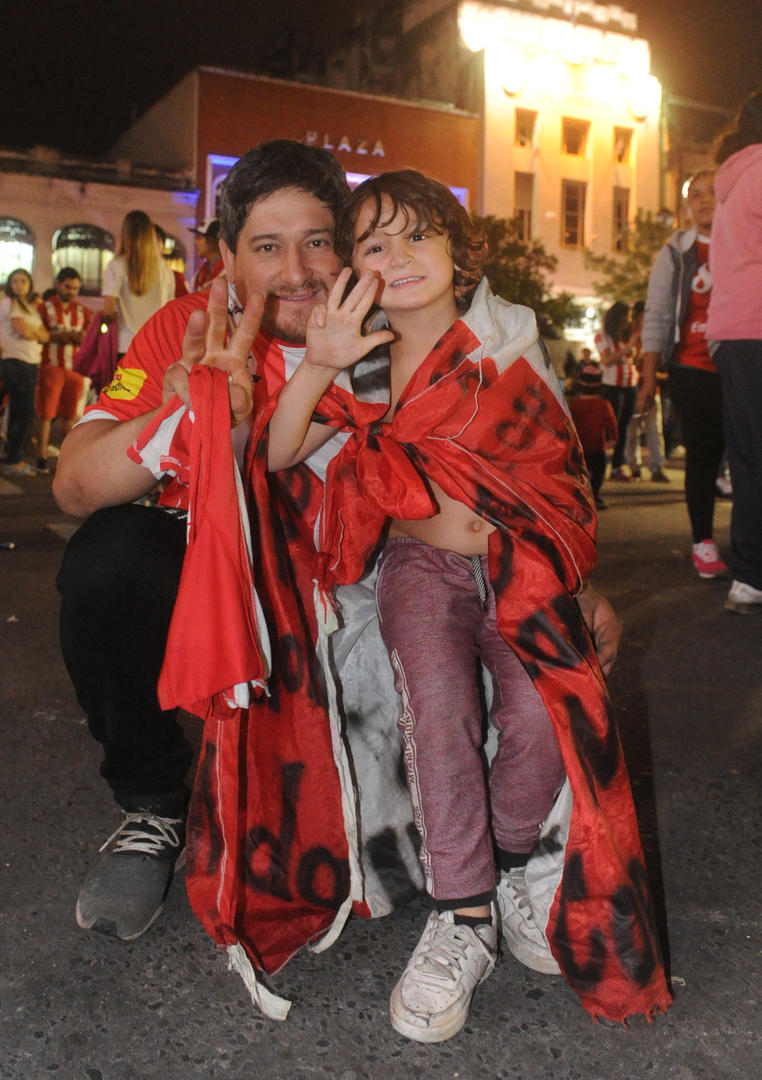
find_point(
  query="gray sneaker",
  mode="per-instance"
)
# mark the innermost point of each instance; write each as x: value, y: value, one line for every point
x: 521, y: 934
x: 124, y: 892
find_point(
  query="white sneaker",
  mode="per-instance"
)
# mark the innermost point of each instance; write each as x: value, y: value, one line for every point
x: 51, y: 451
x: 19, y: 468
x: 744, y: 599
x: 521, y: 933
x: 430, y: 1003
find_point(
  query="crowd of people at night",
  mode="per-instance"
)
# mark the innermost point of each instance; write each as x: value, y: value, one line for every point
x: 337, y: 476
x: 48, y: 367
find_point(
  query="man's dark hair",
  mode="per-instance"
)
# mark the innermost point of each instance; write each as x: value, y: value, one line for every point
x: 424, y: 204
x: 616, y: 322
x: 270, y: 167
x: 66, y: 274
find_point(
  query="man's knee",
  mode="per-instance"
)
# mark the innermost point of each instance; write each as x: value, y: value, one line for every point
x: 117, y: 548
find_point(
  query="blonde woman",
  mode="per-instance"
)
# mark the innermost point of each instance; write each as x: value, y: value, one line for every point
x: 22, y: 335
x: 138, y: 281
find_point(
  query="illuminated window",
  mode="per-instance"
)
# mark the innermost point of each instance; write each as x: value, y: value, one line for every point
x: 172, y: 250
x: 87, y: 249
x: 526, y: 121
x: 524, y: 186
x: 621, y: 217
x: 622, y: 145
x: 16, y: 247
x: 574, y: 135
x: 573, y: 213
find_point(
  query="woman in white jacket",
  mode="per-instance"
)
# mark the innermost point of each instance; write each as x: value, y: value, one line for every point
x: 674, y: 337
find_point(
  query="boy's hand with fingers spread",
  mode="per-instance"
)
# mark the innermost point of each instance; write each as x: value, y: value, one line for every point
x: 335, y: 341
x: 334, y: 332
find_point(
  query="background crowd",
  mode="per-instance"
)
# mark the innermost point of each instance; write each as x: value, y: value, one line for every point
x: 58, y: 352
x: 670, y: 368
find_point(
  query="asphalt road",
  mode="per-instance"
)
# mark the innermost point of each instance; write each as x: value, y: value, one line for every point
x: 688, y: 687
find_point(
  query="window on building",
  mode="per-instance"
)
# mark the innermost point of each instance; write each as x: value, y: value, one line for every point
x: 526, y: 122
x: 573, y: 213
x: 621, y: 217
x: 622, y: 145
x: 524, y: 186
x: 87, y: 249
x: 16, y: 247
x: 574, y: 134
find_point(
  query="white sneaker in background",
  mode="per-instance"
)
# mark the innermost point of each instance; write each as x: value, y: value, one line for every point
x: 744, y: 599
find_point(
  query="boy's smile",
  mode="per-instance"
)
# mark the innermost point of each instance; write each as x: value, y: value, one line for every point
x: 413, y: 262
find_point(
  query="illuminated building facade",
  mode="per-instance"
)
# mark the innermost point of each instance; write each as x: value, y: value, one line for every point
x: 541, y: 109
x: 58, y: 210
x: 570, y: 116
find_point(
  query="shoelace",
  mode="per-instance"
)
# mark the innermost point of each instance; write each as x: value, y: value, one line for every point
x: 519, y: 895
x: 445, y: 951
x: 130, y: 837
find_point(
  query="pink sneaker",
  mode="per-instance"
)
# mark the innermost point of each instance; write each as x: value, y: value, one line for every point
x: 707, y: 561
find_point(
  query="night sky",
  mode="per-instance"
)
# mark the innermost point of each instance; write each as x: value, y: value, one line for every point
x: 74, y: 75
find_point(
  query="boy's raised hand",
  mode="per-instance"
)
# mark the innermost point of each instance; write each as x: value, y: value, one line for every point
x: 334, y: 332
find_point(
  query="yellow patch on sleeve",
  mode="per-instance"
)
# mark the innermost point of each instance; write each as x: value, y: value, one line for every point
x: 126, y: 384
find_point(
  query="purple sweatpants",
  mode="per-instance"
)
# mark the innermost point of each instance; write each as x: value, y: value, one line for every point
x: 437, y: 628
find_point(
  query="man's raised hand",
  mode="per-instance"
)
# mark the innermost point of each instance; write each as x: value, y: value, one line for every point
x: 204, y: 343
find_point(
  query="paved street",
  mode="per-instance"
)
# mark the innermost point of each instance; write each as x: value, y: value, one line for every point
x: 80, y: 1006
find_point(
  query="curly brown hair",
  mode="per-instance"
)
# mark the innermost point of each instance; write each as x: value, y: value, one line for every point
x: 425, y: 203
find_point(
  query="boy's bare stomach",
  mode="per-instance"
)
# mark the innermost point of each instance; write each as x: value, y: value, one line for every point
x: 455, y: 528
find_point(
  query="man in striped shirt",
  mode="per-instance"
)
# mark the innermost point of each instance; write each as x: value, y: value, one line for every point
x: 59, y: 387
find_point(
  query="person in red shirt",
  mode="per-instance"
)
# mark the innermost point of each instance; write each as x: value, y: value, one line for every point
x: 59, y: 387
x: 120, y: 574
x: 596, y: 425
x: 619, y: 375
x: 207, y: 243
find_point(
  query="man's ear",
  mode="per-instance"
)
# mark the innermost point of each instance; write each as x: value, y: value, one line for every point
x: 228, y: 259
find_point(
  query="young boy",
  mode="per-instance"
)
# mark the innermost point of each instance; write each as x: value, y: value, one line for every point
x: 463, y: 463
x: 595, y: 423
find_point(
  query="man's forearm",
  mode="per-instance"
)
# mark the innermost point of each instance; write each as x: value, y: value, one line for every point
x: 94, y: 470
x: 647, y: 388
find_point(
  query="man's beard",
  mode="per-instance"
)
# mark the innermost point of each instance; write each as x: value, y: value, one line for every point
x: 292, y: 327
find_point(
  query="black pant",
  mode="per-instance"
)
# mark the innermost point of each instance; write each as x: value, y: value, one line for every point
x: 740, y: 366
x: 596, y: 466
x: 20, y: 380
x: 697, y: 396
x: 622, y: 401
x: 118, y: 583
